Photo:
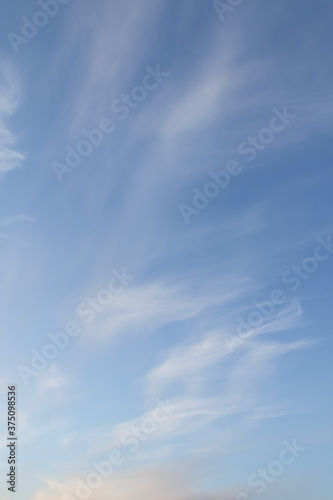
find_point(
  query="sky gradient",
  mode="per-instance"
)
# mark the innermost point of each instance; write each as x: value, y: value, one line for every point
x: 166, y: 248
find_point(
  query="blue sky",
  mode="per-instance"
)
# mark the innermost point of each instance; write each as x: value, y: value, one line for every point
x: 175, y: 289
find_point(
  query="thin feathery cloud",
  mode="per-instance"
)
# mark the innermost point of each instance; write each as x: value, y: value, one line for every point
x: 187, y: 416
x: 10, y: 93
x: 288, y: 318
x: 256, y: 363
x: 159, y: 303
x: 187, y: 363
x: 117, y: 41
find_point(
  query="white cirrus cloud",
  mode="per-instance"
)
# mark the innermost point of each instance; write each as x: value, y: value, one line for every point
x: 10, y: 94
